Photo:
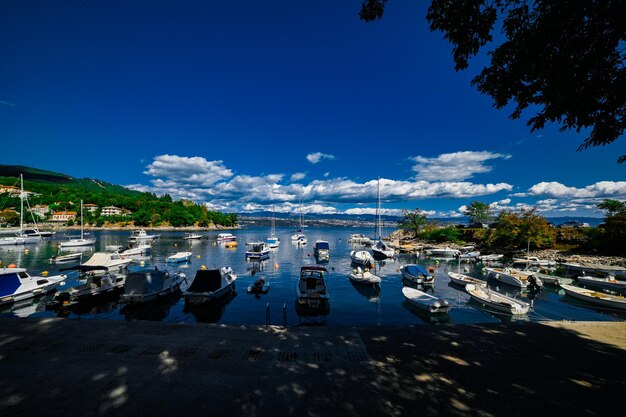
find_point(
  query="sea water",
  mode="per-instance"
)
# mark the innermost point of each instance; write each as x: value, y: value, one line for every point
x: 350, y: 304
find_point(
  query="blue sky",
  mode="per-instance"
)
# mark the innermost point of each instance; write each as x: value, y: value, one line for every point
x: 245, y: 104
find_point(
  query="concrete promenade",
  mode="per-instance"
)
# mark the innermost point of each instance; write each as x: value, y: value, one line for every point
x: 72, y: 367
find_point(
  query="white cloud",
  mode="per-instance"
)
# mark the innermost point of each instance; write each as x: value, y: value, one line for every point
x: 326, y: 174
x: 454, y: 166
x: 298, y: 176
x: 314, y: 158
x: 195, y: 171
x: 367, y: 210
x: 612, y: 189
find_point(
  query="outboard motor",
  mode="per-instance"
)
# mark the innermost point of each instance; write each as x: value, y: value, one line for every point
x: 535, y: 283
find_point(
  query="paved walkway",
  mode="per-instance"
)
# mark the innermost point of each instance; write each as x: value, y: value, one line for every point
x: 54, y: 367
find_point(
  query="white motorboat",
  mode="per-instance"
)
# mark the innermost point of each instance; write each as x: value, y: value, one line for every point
x: 426, y: 302
x: 111, y: 260
x: 359, y: 239
x: 321, y: 250
x: 141, y: 235
x: 492, y: 257
x: 149, y: 284
x: 311, y: 290
x: 463, y: 280
x: 17, y: 285
x: 137, y: 250
x: 70, y: 257
x: 608, y: 283
x: 179, y: 257
x: 82, y: 240
x: 598, y: 298
x: 445, y: 252
x: 382, y: 250
x: 226, y: 237
x: 299, y: 237
x: 95, y: 287
x: 257, y: 251
x: 497, y: 301
x: 548, y: 279
x: 210, y: 284
x: 528, y: 261
x: 514, y: 277
x: 469, y: 256
x: 36, y: 232
x: 193, y: 236
x: 416, y: 273
x: 362, y: 257
x: 364, y: 277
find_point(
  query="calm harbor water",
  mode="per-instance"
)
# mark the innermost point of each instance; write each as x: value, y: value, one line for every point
x: 350, y: 304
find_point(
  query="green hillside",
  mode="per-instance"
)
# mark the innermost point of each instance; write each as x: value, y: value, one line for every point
x: 63, y: 193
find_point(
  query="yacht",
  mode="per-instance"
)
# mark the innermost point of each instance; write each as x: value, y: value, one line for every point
x: 82, y: 240
x: 141, y: 235
x: 21, y: 238
x: 17, y: 285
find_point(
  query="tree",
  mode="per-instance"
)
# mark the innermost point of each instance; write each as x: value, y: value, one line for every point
x: 522, y: 229
x: 563, y: 58
x: 612, y: 207
x: 479, y: 212
x: 413, y: 221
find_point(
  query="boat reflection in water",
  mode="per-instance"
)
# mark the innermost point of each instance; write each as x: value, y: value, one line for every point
x: 210, y: 312
x: 424, y: 315
x: 87, y: 309
x: 312, y: 316
x: 155, y: 310
x: 371, y: 292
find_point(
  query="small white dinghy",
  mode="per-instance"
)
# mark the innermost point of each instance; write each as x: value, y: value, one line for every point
x: 463, y: 280
x: 362, y: 257
x: 497, y: 301
x: 364, y: 277
x: 179, y: 257
x: 426, y: 302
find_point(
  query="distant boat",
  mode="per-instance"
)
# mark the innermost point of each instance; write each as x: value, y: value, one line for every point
x: 210, y: 285
x: 226, y: 237
x: 359, y: 239
x: 380, y: 249
x: 138, y: 250
x: 299, y: 237
x: 257, y: 251
x: 259, y: 286
x: 497, y: 301
x: 141, y: 235
x: 272, y: 240
x: 321, y: 250
x: 17, y: 285
x: 192, y: 236
x: 82, y: 240
x: 37, y: 232
x: 179, y: 257
x: 21, y: 238
x: 444, y: 252
x: 426, y: 302
x: 70, y: 257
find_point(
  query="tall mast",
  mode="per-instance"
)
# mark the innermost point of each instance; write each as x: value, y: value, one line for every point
x: 377, y: 231
x: 81, y: 219
x: 21, y: 203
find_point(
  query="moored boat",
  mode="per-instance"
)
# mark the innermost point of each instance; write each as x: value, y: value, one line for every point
x: 70, y: 257
x: 257, y: 251
x: 364, y: 277
x: 321, y: 250
x: 426, y: 302
x: 226, y: 237
x: 608, y: 283
x: 594, y: 297
x: 416, y: 273
x: 259, y: 286
x: 95, y: 287
x: 17, y: 285
x: 179, y: 257
x: 192, y: 236
x: 463, y: 280
x: 497, y: 301
x: 311, y: 290
x: 362, y: 257
x: 150, y: 284
x: 142, y: 235
x: 209, y: 285
x: 514, y: 277
x: 111, y: 260
x: 359, y: 239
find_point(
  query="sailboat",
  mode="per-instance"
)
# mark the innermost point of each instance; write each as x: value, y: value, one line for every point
x: 272, y: 240
x: 82, y: 241
x: 21, y: 238
x: 380, y: 249
x: 299, y: 237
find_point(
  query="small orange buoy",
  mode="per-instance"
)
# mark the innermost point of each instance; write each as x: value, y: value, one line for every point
x: 276, y: 265
x: 431, y: 270
x: 12, y: 266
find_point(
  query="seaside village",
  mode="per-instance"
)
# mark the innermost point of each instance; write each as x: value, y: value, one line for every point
x: 599, y: 281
